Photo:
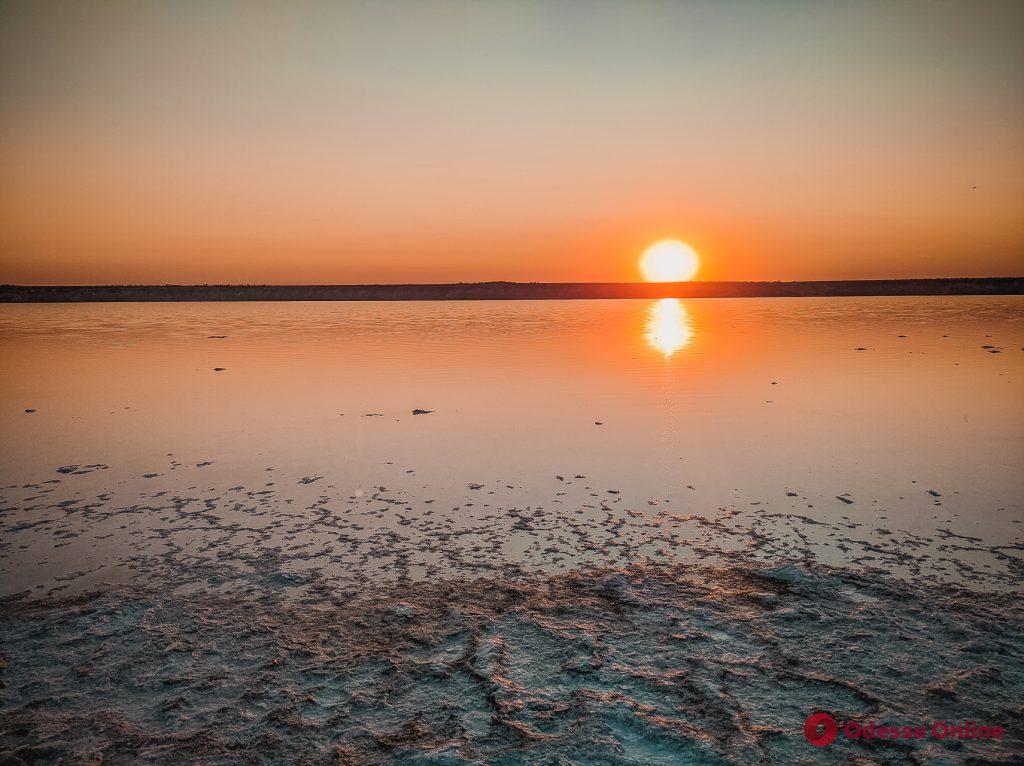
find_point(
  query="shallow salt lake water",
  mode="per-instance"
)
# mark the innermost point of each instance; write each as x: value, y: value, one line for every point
x: 625, y: 533
x: 902, y: 415
x: 847, y: 429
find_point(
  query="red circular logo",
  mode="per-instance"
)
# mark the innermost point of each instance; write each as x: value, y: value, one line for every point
x: 828, y: 727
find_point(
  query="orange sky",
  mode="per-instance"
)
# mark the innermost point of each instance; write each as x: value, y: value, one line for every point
x: 417, y: 142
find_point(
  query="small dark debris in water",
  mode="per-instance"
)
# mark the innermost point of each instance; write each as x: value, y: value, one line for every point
x: 791, y: 494
x: 475, y: 486
x: 846, y: 500
x: 373, y: 415
x: 150, y: 475
x: 80, y: 469
x: 933, y: 493
x: 206, y: 463
x: 901, y: 336
x: 612, y: 491
x: 860, y: 348
x: 310, y: 479
x: 421, y: 412
x: 219, y: 369
x: 216, y: 337
x: 29, y: 410
x: 598, y: 423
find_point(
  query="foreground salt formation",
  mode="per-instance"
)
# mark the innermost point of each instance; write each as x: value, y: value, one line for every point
x: 292, y: 622
x: 635, y: 665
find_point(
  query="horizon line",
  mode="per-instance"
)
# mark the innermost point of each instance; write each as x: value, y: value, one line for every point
x: 511, y: 291
x: 143, y: 285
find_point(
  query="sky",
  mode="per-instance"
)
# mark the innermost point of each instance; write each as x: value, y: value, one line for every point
x: 338, y: 142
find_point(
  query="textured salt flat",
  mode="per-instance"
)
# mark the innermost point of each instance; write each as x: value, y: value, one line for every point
x: 530, y: 534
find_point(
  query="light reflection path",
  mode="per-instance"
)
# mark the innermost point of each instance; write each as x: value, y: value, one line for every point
x: 669, y: 328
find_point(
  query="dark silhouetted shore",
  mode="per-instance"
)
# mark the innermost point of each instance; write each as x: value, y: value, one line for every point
x: 509, y: 290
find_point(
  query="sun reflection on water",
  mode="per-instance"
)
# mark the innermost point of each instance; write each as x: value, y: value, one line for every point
x: 669, y: 328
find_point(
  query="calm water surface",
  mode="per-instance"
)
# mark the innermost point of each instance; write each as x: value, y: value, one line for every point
x: 892, y: 413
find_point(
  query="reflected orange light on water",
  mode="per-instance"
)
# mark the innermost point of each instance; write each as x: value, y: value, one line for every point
x: 669, y: 328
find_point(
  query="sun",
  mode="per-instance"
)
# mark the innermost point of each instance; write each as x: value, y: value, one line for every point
x: 669, y: 261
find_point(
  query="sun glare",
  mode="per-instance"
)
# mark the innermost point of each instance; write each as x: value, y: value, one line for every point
x: 668, y: 326
x: 669, y: 261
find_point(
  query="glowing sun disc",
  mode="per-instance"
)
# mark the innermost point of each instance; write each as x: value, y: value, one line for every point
x: 669, y: 261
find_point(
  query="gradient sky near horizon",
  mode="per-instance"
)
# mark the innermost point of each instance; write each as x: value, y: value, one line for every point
x: 302, y: 142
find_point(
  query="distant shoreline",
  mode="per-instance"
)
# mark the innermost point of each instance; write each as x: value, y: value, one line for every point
x: 510, y: 291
